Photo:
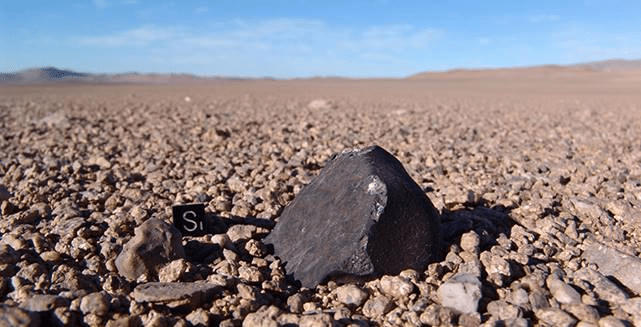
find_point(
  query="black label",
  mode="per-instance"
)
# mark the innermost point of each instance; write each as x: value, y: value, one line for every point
x: 190, y: 219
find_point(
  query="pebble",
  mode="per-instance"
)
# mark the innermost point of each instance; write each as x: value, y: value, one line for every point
x: 562, y: 292
x: 95, y: 303
x: 555, y: 317
x: 461, y: 292
x: 154, y: 244
x: 351, y: 295
x: 12, y: 316
x: 43, y: 302
x: 396, y: 287
x: 177, y: 294
x: 377, y: 306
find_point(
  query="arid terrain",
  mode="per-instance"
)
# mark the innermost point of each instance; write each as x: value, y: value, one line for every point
x: 536, y: 173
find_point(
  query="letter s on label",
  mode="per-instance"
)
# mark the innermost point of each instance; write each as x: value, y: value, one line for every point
x: 191, y: 225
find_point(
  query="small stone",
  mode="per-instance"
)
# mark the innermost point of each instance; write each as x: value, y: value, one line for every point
x: 462, y: 293
x: 469, y: 320
x: 295, y: 303
x: 12, y: 316
x: 51, y: 256
x: 363, y: 215
x: 396, y: 287
x: 377, y: 306
x: 610, y: 321
x: 351, y: 295
x: 562, y: 292
x: 555, y: 317
x: 603, y: 287
x: 4, y: 193
x: 44, y: 302
x: 623, y: 267
x: 264, y: 317
x: 502, y: 310
x: 175, y: 295
x: 470, y: 242
x: 155, y: 243
x: 632, y: 306
x: 138, y: 213
x: 583, y: 312
x: 241, y: 232
x: 173, y: 271
x: 321, y: 104
x: 95, y: 303
x: 316, y: 320
x: 199, y: 317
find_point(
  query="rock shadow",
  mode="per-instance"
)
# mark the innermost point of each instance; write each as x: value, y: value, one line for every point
x: 487, y: 221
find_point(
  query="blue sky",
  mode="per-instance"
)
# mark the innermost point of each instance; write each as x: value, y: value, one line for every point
x: 298, y: 38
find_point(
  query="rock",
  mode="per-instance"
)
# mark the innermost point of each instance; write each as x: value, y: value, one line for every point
x: 241, y: 232
x: 351, y: 295
x: 264, y: 317
x: 555, y: 317
x: 43, y: 302
x: 462, y: 293
x: 173, y: 271
x: 199, y: 317
x: 12, y: 316
x: 396, y: 287
x: 610, y: 321
x: 470, y: 242
x: 4, y: 193
x: 583, y: 312
x: 96, y: 303
x: 377, y: 306
x: 603, y: 287
x: 632, y: 306
x: 562, y: 292
x: 316, y: 320
x: 175, y: 295
x: 502, y: 310
x: 155, y: 244
x: 363, y: 215
x: 623, y: 267
x: 321, y: 104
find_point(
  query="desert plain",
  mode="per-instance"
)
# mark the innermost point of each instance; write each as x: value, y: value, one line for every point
x: 536, y: 174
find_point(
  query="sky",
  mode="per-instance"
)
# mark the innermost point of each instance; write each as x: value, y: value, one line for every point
x: 299, y: 38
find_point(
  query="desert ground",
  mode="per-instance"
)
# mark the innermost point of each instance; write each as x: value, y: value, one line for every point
x: 536, y: 174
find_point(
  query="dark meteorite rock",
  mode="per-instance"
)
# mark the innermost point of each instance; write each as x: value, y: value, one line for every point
x: 362, y: 216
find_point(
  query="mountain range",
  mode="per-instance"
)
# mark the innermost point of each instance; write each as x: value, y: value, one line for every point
x: 54, y: 75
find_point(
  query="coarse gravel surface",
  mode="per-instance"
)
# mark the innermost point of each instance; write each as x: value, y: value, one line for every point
x: 537, y: 179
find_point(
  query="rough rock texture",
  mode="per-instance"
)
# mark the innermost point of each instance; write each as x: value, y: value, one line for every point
x: 154, y: 244
x: 625, y: 268
x: 363, y: 215
x: 174, y: 294
x: 527, y: 173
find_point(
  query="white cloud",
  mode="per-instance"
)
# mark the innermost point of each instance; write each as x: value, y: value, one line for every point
x: 580, y: 43
x: 139, y: 37
x: 273, y: 44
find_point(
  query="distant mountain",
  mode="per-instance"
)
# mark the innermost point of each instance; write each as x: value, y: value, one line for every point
x: 47, y: 74
x: 613, y: 65
x: 54, y: 75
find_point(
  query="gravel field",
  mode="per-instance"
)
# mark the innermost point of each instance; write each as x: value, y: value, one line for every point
x: 537, y: 179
